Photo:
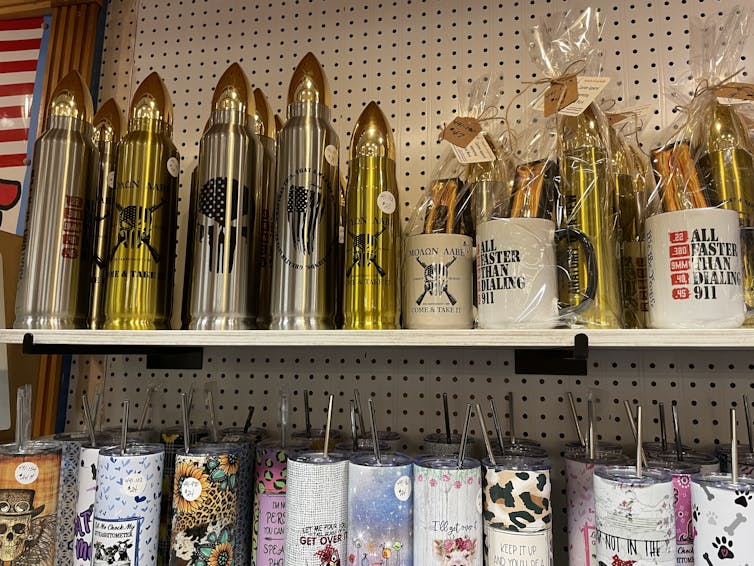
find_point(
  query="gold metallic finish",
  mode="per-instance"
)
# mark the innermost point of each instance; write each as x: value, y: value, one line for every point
x: 108, y: 129
x: 142, y: 237
x: 278, y: 124
x: 370, y: 298
x: 264, y: 121
x: 678, y: 179
x: 72, y: 99
x: 490, y: 184
x: 309, y: 83
x: 233, y: 92
x: 108, y: 123
x: 728, y: 171
x: 152, y: 102
x: 533, y: 190
x: 440, y: 217
x: 588, y: 201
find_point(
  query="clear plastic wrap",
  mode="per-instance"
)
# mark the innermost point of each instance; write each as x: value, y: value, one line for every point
x: 439, y: 238
x: 701, y: 209
x: 589, y: 286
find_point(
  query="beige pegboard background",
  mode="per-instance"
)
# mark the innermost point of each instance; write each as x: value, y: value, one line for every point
x: 410, y: 56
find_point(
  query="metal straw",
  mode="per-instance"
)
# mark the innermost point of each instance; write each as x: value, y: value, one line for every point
x: 354, y: 430
x: 663, y: 432
x: 485, y: 436
x: 496, y: 424
x: 634, y: 432
x: 124, y: 428
x: 283, y: 418
x: 20, y: 418
x: 375, y: 438
x: 590, y: 432
x: 733, y: 447
x: 147, y: 404
x: 575, y: 417
x: 677, y: 432
x: 88, y: 418
x: 186, y: 429
x: 464, y: 436
x: 212, y: 414
x: 249, y: 416
x: 748, y: 423
x: 447, y: 417
x: 327, y: 426
x: 510, y: 418
x: 638, y: 441
x: 306, y: 414
x: 359, y: 412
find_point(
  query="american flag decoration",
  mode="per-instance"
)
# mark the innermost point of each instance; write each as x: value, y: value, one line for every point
x: 20, y: 44
x: 304, y: 211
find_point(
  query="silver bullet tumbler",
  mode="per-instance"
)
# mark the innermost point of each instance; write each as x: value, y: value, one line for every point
x: 266, y: 128
x: 224, y: 270
x: 305, y: 277
x: 53, y: 284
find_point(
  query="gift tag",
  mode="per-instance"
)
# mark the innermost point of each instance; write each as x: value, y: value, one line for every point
x: 629, y: 112
x: 739, y: 91
x: 461, y: 131
x: 478, y: 151
x: 560, y: 95
x: 589, y: 90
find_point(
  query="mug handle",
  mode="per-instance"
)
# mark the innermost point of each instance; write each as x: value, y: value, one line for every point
x: 574, y: 234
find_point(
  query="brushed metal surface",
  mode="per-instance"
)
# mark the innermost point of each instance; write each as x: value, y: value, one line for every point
x: 266, y: 226
x: 304, y: 273
x: 223, y: 285
x: 53, y: 284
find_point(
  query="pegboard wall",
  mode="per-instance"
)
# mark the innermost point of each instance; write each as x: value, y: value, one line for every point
x: 410, y: 56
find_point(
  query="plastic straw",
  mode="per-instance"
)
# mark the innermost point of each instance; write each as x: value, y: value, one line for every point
x: 638, y: 441
x: 464, y: 436
x: 88, y: 419
x: 186, y: 430
x: 510, y: 418
x: 575, y: 417
x: 632, y: 426
x: 124, y: 428
x: 496, y: 424
x: 306, y: 414
x: 359, y: 412
x: 748, y: 423
x: 354, y: 430
x: 283, y: 418
x: 485, y: 436
x: 676, y: 432
x: 663, y: 432
x: 375, y: 437
x: 249, y: 416
x: 327, y: 426
x: 590, y: 433
x: 733, y: 447
x: 447, y: 417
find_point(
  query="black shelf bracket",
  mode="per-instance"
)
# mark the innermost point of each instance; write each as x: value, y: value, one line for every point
x: 554, y: 361
x: 158, y: 357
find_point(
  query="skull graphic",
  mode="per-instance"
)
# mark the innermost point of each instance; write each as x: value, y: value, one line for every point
x: 16, y: 512
x: 214, y: 204
x: 436, y: 280
x: 135, y: 228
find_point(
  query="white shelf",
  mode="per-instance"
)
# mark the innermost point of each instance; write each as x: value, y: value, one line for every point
x: 720, y: 339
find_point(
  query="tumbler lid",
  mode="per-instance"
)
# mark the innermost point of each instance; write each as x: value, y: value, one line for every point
x: 627, y: 475
x: 319, y: 458
x: 446, y: 463
x: 387, y: 460
x: 133, y: 450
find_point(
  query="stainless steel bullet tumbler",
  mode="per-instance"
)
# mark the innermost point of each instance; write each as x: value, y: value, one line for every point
x: 53, y: 284
x: 305, y: 275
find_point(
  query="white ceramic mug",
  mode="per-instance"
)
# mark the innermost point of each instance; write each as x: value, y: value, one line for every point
x: 517, y: 277
x: 694, y: 269
x: 438, y: 271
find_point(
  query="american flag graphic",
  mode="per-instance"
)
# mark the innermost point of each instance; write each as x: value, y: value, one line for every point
x: 20, y: 45
x: 304, y: 212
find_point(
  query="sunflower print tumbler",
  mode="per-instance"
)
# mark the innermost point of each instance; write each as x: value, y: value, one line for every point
x: 205, y: 506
